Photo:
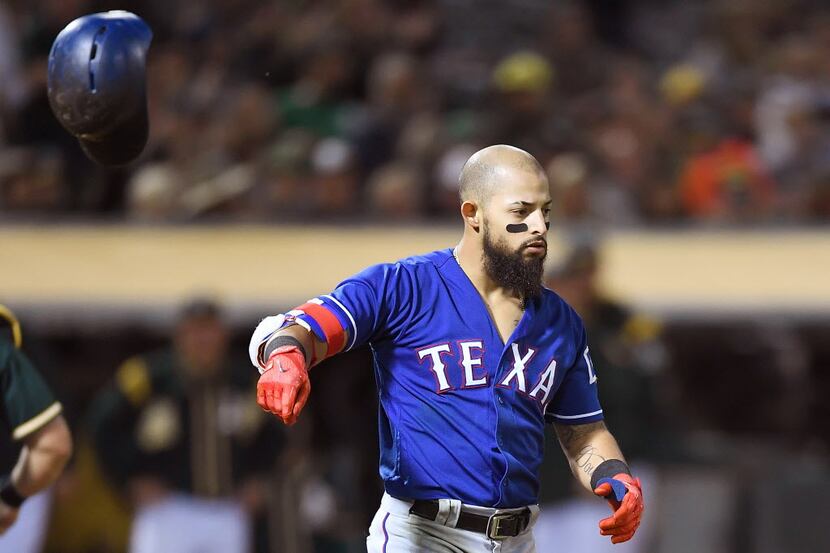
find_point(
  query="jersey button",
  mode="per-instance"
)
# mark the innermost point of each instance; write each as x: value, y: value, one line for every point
x: 501, y: 401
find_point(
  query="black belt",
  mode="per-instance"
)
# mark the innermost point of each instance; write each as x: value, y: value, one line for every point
x: 496, y: 526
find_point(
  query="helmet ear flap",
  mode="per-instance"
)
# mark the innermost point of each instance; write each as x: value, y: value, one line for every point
x: 122, y: 145
x: 97, y: 84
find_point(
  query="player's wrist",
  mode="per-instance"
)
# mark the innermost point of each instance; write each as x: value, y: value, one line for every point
x: 612, y: 468
x: 283, y: 343
x: 9, y: 493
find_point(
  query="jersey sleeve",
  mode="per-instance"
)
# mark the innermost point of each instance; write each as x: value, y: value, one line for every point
x: 28, y: 404
x: 576, y: 401
x: 372, y: 304
x: 366, y: 307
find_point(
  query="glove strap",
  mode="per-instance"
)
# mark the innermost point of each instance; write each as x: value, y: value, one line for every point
x: 9, y: 494
x: 608, y: 469
x: 281, y: 341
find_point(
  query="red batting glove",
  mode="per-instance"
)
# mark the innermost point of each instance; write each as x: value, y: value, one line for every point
x: 627, y: 513
x: 284, y: 386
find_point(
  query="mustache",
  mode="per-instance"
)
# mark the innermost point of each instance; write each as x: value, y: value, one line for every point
x: 534, y: 242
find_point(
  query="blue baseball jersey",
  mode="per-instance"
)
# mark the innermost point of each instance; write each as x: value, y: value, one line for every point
x: 462, y: 414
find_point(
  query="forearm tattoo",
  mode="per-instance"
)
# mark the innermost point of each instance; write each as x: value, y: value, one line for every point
x: 588, y: 459
x: 574, y: 438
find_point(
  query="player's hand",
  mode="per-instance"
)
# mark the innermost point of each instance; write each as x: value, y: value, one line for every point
x: 8, y: 516
x: 284, y: 386
x: 625, y: 495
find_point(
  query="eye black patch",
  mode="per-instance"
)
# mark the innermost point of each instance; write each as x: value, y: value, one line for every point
x: 515, y: 228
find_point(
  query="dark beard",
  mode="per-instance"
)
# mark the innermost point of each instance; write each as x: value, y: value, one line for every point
x: 512, y: 271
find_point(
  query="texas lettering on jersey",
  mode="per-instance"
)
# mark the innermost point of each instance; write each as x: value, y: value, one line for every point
x: 472, y: 374
x: 462, y: 414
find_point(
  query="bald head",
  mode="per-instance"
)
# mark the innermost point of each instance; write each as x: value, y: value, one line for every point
x: 486, y: 170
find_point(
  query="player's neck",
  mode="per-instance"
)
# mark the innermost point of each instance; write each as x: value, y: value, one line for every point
x: 470, y: 260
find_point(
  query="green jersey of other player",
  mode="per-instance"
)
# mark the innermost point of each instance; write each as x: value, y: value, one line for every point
x: 27, y: 403
x: 33, y: 418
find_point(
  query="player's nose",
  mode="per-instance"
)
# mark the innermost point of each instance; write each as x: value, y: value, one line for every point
x: 536, y: 223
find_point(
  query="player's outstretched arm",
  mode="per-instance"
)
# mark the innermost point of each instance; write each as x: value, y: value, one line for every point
x: 284, y: 360
x: 44, y: 454
x: 597, y: 462
x: 283, y: 347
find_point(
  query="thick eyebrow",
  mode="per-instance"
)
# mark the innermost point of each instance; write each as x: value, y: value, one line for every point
x: 524, y: 204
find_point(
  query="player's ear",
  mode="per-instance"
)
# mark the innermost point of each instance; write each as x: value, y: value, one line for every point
x: 470, y: 213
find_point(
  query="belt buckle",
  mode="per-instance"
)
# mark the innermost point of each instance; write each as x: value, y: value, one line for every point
x: 494, y: 525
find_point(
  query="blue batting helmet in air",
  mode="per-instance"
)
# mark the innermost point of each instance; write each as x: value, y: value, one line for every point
x: 97, y: 84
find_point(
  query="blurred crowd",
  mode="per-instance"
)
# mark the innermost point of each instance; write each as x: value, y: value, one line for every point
x: 643, y: 112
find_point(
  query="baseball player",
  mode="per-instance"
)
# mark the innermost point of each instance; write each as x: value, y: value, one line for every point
x: 30, y: 411
x: 174, y: 433
x: 472, y: 356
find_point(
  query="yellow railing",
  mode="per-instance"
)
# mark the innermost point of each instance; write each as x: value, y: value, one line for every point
x: 273, y: 265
